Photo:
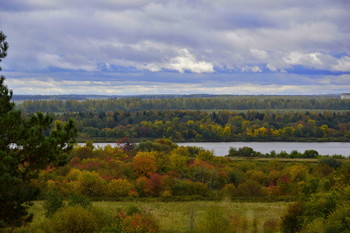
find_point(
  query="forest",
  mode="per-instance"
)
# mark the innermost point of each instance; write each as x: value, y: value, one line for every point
x: 189, y: 125
x: 203, y: 118
x: 221, y: 102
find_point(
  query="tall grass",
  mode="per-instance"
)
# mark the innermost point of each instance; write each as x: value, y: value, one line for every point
x: 189, y: 216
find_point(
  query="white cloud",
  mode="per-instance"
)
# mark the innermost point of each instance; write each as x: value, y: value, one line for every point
x: 49, y: 86
x: 254, y: 69
x: 343, y: 64
x: 261, y: 54
x: 186, y: 61
x: 298, y: 58
x: 73, y: 62
x: 271, y: 67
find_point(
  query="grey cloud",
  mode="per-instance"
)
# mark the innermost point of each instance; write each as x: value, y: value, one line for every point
x: 240, y: 35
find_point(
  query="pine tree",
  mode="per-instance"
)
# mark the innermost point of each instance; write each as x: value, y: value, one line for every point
x: 26, y: 146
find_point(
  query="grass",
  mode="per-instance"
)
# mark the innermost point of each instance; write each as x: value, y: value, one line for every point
x: 176, y: 216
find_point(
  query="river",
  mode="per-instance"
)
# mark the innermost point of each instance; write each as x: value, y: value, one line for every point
x: 222, y: 148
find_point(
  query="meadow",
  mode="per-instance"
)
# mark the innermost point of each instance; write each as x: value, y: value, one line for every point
x: 182, y: 216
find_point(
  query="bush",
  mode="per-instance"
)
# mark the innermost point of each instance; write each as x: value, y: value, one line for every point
x: 119, y: 188
x: 316, y: 226
x: 74, y: 219
x: 339, y: 220
x: 232, y: 152
x: 91, y: 184
x: 239, y: 224
x: 144, y: 163
x: 271, y: 225
x: 154, y: 185
x: 227, y: 191
x: 132, y: 209
x: 291, y: 221
x: 53, y: 202
x: 188, y: 187
x: 246, y: 152
x: 134, y: 221
x: 310, y: 154
x: 330, y: 162
x: 80, y: 200
x: 214, y: 221
x: 249, y: 188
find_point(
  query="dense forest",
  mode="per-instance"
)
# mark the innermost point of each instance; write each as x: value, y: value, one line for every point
x: 188, y: 125
x: 229, y: 102
x: 204, y: 118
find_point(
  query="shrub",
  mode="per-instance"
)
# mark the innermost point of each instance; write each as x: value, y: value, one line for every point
x: 132, y: 209
x: 140, y: 185
x: 80, y: 200
x: 246, y: 152
x: 291, y: 221
x: 321, y: 204
x: 74, y: 220
x: 316, y: 226
x: 154, y: 184
x: 249, y: 188
x: 188, y: 187
x: 119, y: 187
x: 233, y: 152
x: 214, y: 221
x: 91, y: 184
x: 330, y: 162
x: 339, y: 220
x: 144, y: 163
x: 135, y: 222
x: 238, y: 224
x: 310, y: 154
x: 73, y: 174
x: 271, y: 225
x: 227, y: 191
x: 53, y: 201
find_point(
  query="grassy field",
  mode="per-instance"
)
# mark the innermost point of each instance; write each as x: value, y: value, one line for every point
x: 178, y: 216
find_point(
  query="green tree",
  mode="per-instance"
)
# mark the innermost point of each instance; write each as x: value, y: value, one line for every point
x: 26, y: 146
x: 53, y: 202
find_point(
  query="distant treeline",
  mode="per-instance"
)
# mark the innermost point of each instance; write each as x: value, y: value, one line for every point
x: 307, y: 154
x: 189, y: 103
x: 185, y: 125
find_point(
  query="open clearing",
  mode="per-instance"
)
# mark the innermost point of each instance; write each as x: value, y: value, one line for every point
x: 176, y: 216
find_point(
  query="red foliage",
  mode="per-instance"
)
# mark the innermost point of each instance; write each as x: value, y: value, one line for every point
x: 75, y: 161
x: 137, y: 222
x: 201, y: 163
x: 154, y: 184
x: 107, y: 177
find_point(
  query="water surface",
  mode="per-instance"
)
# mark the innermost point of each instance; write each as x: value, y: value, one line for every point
x: 222, y: 148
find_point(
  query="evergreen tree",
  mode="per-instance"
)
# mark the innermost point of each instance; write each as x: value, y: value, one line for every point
x: 26, y: 146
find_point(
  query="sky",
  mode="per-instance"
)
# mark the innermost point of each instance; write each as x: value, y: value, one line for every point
x: 128, y: 47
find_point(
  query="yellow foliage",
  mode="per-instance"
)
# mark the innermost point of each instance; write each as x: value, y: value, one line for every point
x: 91, y: 184
x: 298, y: 172
x: 119, y: 187
x: 144, y: 163
x: 73, y: 174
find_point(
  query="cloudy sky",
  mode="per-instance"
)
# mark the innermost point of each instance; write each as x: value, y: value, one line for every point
x: 177, y: 46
